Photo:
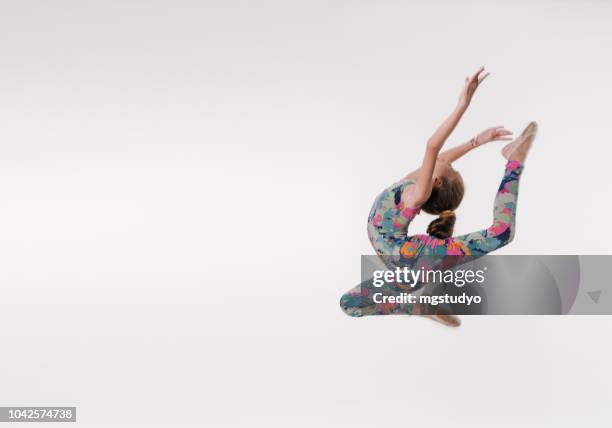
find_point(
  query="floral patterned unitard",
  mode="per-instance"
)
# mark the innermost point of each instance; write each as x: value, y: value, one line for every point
x: 388, y: 232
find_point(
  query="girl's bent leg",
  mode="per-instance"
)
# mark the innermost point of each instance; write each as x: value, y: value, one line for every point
x: 501, y: 232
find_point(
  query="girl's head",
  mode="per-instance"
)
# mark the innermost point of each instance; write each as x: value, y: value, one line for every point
x: 446, y: 195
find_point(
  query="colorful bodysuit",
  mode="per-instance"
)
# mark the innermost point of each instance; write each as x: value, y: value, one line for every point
x: 388, y: 227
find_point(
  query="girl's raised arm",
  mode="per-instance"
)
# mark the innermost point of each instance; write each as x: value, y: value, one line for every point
x: 419, y: 193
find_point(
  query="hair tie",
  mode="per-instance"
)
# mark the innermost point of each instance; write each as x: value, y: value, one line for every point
x: 447, y: 213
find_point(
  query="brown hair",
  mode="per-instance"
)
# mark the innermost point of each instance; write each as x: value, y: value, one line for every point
x: 444, y: 199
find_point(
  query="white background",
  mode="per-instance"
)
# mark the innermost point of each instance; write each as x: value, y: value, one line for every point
x: 184, y: 189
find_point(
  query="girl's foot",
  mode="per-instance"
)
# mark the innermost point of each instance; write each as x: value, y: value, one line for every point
x: 438, y: 313
x: 518, y: 149
x: 447, y: 320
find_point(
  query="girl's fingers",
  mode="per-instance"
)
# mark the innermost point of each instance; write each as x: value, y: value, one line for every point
x: 484, y: 76
x: 503, y: 139
x: 501, y: 130
x: 480, y: 70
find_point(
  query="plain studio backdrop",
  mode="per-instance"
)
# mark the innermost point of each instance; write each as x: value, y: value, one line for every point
x: 184, y: 188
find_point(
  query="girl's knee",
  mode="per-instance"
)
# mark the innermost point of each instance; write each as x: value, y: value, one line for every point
x: 508, y: 235
x: 503, y: 233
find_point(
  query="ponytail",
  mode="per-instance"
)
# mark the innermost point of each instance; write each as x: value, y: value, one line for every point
x: 442, y: 227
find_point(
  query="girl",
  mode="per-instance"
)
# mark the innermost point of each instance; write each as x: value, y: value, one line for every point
x: 437, y: 188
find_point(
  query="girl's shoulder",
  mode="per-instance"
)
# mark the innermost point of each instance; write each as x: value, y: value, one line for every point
x: 404, y: 188
x: 400, y: 192
x: 402, y: 184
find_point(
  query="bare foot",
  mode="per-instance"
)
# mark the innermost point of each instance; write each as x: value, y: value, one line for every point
x: 447, y: 320
x: 441, y: 314
x: 518, y: 149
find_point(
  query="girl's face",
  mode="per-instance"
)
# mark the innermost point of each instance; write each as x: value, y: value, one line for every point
x: 444, y: 169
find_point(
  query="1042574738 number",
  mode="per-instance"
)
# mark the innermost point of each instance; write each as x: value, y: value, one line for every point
x: 37, y: 414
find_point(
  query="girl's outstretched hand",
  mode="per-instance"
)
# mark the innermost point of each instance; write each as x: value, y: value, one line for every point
x: 496, y: 133
x: 470, y: 86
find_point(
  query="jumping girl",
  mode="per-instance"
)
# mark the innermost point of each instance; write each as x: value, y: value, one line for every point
x: 437, y: 188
